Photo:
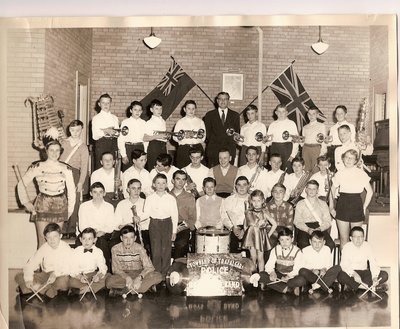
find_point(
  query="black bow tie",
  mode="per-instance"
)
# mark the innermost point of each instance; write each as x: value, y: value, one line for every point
x: 87, y: 250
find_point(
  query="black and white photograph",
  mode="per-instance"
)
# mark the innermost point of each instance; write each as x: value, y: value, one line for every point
x: 200, y: 172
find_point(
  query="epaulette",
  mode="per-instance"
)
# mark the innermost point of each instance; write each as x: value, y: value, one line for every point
x: 66, y: 165
x: 35, y: 164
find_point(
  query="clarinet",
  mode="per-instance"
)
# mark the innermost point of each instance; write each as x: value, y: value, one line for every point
x: 137, y: 225
x: 117, y: 175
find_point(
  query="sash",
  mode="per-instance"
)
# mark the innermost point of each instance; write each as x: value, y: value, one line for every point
x: 73, y: 151
x: 312, y: 210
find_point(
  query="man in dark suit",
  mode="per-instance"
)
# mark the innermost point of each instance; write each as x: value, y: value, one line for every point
x: 217, y: 121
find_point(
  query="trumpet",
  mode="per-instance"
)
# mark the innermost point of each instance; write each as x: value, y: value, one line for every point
x: 169, y: 134
x: 116, y: 131
x: 295, y: 138
x: 236, y: 136
x: 259, y: 137
x: 198, y: 134
x: 323, y: 139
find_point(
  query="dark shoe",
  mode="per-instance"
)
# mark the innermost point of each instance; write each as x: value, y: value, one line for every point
x: 153, y: 289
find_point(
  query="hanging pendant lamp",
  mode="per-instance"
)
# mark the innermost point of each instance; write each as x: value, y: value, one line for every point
x: 152, y: 41
x: 320, y: 47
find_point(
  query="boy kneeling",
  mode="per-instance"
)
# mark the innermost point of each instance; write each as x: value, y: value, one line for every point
x: 317, y: 260
x: 356, y: 255
x: 87, y: 259
x: 282, y: 268
x: 131, y: 266
x: 52, y: 258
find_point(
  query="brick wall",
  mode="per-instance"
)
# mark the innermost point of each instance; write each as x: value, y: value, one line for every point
x: 41, y: 62
x: 128, y: 70
x: 25, y: 78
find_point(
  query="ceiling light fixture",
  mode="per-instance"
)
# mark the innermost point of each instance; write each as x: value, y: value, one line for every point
x: 152, y: 41
x: 320, y: 47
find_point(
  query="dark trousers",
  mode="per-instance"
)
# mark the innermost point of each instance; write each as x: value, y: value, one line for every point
x: 365, y: 275
x: 129, y: 149
x: 96, y: 286
x: 235, y: 245
x: 331, y: 154
x: 70, y: 225
x: 284, y: 149
x: 182, y: 154
x: 303, y: 239
x: 297, y: 281
x: 103, y: 145
x: 329, y: 277
x: 160, y: 231
x: 181, y: 244
x: 153, y: 150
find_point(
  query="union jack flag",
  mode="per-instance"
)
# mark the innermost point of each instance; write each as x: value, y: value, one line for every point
x: 290, y: 91
x: 172, y: 88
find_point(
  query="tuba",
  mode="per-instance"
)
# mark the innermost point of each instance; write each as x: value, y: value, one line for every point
x: 259, y: 137
x: 45, y: 116
x: 236, y: 136
x: 295, y: 138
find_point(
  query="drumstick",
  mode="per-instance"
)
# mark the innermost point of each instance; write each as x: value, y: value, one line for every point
x: 35, y: 293
x: 19, y: 178
x: 126, y: 295
x: 276, y: 281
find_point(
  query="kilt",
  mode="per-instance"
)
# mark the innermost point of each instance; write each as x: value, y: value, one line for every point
x: 50, y: 208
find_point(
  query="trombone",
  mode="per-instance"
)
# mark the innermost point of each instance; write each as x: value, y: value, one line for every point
x: 236, y: 136
x: 295, y: 138
x: 259, y: 137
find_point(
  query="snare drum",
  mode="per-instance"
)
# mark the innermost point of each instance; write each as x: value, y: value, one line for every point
x: 212, y: 241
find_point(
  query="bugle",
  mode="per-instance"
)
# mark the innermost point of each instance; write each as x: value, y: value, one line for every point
x: 197, y: 134
x: 259, y: 137
x: 295, y: 138
x: 169, y: 134
x: 236, y: 136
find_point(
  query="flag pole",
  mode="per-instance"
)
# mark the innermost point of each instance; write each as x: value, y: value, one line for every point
x: 201, y: 89
x: 255, y: 98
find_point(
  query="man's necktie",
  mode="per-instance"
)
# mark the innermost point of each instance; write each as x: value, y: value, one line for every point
x: 88, y: 250
x: 223, y: 117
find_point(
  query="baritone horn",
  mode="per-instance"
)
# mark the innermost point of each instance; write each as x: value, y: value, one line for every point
x: 259, y: 137
x: 236, y: 136
x: 295, y: 138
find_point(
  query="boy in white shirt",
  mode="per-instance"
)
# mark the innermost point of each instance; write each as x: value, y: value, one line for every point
x: 88, y: 264
x: 274, y: 175
x: 164, y: 166
x: 196, y: 171
x: 53, y: 258
x: 139, y: 159
x: 99, y: 215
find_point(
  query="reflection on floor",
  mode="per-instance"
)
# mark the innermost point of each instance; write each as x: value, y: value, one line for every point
x: 163, y: 310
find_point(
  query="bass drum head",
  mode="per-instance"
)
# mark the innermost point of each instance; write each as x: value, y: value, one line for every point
x: 177, y: 276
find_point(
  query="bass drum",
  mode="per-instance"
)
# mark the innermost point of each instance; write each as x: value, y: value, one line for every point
x: 177, y: 276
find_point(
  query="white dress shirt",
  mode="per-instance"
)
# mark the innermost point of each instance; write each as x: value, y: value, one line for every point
x: 156, y: 124
x: 232, y: 210
x: 99, y: 218
x: 169, y: 174
x: 333, y: 131
x: 249, y: 130
x: 143, y: 176
x: 123, y: 213
x: 197, y: 175
x: 277, y: 127
x: 316, y: 260
x: 104, y: 177
x: 187, y: 123
x: 137, y: 129
x: 101, y: 121
x: 88, y: 262
x: 260, y: 181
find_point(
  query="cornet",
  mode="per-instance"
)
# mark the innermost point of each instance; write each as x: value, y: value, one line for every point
x: 198, y: 134
x: 169, y: 134
x: 116, y: 131
x: 295, y: 138
x: 320, y: 138
x: 236, y: 136
x: 259, y: 137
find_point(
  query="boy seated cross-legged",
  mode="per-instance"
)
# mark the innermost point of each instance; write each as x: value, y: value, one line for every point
x: 132, y: 268
x: 88, y: 264
x: 52, y: 260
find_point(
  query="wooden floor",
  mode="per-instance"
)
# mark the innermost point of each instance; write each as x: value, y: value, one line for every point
x: 162, y: 310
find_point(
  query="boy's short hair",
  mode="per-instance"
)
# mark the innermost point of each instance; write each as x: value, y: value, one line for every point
x: 105, y: 153
x: 155, y: 102
x: 241, y: 178
x: 299, y: 160
x: 317, y: 234
x: 52, y: 227
x: 105, y: 96
x: 352, y: 152
x: 161, y: 176
x: 135, y: 103
x: 223, y: 150
x: 136, y: 154
x: 280, y: 106
x: 344, y: 127
x: 88, y: 230
x: 251, y: 107
x: 313, y: 109
x: 196, y: 150
x: 344, y: 108
x: 257, y: 193
x: 275, y: 155
x: 127, y: 229
x: 165, y: 159
x: 179, y: 172
x: 278, y: 185
x: 134, y: 180
x: 285, y: 232
x: 357, y: 229
x: 76, y: 123
x: 251, y: 147
x: 97, y: 185
x: 209, y: 180
x: 312, y: 182
x: 323, y: 158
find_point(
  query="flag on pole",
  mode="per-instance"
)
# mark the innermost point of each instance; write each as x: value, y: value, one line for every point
x: 290, y: 91
x: 172, y: 88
